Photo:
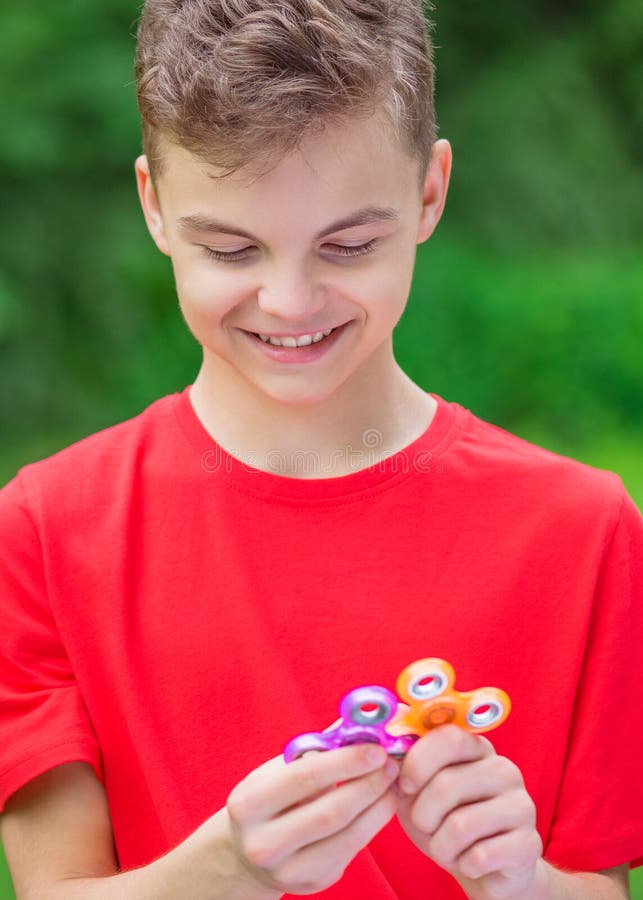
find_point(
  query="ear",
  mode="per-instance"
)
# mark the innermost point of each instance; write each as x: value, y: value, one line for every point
x: 436, y: 186
x: 150, y: 204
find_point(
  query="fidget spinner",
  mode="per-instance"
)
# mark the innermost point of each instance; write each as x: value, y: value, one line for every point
x: 370, y: 714
x: 427, y: 686
x: 364, y: 712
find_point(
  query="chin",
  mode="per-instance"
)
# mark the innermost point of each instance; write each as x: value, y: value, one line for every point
x: 297, y: 395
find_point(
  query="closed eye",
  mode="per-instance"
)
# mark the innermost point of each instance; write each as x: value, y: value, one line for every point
x: 239, y: 255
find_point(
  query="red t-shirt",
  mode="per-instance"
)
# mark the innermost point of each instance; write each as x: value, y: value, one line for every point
x: 173, y: 617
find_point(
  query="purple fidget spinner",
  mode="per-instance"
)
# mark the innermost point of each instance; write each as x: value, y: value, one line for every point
x: 364, y: 712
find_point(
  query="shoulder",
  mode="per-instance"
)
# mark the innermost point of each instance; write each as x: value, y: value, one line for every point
x: 96, y: 465
x: 525, y: 475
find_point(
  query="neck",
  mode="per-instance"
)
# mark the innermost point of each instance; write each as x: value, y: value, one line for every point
x: 372, y: 415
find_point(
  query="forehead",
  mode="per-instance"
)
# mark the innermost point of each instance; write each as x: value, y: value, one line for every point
x: 354, y: 164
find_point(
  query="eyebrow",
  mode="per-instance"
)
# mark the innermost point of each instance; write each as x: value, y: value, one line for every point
x: 365, y: 216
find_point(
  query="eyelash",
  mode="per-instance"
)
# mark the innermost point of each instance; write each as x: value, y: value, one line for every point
x: 360, y: 250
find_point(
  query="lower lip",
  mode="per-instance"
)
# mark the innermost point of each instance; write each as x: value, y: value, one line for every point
x: 306, y: 354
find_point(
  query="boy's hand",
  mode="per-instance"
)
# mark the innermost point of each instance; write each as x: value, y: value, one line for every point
x: 294, y: 828
x: 467, y: 809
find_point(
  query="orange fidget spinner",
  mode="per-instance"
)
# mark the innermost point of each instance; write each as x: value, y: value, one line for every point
x: 427, y: 686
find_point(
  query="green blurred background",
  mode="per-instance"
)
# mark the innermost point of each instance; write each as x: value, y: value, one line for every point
x: 527, y: 304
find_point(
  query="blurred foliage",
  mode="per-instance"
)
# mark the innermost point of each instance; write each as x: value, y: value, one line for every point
x: 527, y: 305
x: 542, y: 105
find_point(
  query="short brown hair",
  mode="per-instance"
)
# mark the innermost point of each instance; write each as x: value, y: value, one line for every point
x: 241, y: 81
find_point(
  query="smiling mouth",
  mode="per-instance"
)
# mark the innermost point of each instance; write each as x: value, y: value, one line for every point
x: 294, y: 343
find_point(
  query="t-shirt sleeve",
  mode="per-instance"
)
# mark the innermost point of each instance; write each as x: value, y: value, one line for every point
x: 599, y: 816
x: 43, y: 721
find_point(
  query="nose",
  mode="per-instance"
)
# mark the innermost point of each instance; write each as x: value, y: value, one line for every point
x: 290, y: 295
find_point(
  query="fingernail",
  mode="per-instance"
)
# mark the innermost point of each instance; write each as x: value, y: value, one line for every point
x: 375, y: 755
x: 392, y: 769
x: 407, y: 786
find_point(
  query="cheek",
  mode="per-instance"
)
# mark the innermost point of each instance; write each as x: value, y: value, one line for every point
x: 386, y: 290
x: 203, y: 292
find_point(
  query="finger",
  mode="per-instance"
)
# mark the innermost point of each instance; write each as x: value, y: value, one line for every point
x: 321, y: 793
x: 506, y: 861
x: 276, y: 786
x: 326, y: 860
x: 467, y: 825
x: 461, y: 784
x: 276, y: 839
x: 327, y: 790
x: 443, y: 746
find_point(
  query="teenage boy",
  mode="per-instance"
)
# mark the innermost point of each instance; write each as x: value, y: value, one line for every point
x: 186, y: 590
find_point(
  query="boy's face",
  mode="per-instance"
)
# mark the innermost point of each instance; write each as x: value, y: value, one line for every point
x: 283, y: 278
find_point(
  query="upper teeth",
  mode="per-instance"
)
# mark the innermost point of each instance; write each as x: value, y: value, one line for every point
x: 302, y: 341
